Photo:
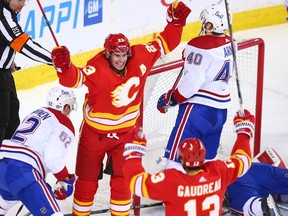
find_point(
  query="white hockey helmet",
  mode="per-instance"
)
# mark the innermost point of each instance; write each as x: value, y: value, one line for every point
x: 217, y: 16
x: 58, y: 97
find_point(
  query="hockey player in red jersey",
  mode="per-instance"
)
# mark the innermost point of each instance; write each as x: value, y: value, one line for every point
x: 38, y: 147
x: 115, y: 79
x: 200, y: 190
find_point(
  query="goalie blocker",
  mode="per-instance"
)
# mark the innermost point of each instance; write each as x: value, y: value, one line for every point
x: 271, y: 157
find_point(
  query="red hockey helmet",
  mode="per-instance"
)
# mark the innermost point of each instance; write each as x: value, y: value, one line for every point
x: 191, y: 153
x: 117, y: 43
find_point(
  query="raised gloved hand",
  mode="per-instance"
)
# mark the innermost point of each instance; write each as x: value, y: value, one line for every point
x: 166, y: 101
x: 138, y: 148
x: 177, y: 13
x: 64, y: 188
x: 61, y: 58
x: 244, y: 123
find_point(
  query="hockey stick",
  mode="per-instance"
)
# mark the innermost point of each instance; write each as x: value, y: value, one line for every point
x: 132, y: 207
x: 176, y: 82
x: 224, y: 212
x: 178, y: 78
x: 234, y: 58
x: 101, y: 211
x: 47, y: 22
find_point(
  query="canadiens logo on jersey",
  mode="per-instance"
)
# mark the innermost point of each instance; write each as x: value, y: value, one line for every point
x: 121, y: 95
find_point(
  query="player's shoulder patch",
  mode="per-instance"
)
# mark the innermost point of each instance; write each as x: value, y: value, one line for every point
x: 64, y: 120
x: 209, y: 41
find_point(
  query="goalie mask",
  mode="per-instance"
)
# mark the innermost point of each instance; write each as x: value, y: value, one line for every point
x: 117, y: 43
x: 217, y: 16
x: 58, y: 97
x: 191, y: 153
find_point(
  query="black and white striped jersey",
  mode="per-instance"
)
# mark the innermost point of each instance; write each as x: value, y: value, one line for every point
x: 13, y: 39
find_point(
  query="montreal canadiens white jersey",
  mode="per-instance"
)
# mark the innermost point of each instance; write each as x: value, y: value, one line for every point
x: 208, y: 67
x: 41, y: 140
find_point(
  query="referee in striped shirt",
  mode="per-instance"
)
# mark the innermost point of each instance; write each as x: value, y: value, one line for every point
x: 12, y: 40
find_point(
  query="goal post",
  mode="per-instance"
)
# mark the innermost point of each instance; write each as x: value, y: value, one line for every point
x: 259, y: 42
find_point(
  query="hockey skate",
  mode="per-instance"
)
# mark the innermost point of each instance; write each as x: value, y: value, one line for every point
x: 269, y: 207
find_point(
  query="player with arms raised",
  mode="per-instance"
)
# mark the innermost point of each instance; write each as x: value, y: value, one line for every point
x: 115, y: 79
x: 200, y: 190
x: 38, y: 147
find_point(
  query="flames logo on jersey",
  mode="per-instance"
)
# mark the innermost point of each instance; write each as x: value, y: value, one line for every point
x: 120, y: 96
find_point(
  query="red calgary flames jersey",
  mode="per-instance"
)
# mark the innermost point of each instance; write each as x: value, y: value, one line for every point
x: 112, y: 103
x: 200, y: 194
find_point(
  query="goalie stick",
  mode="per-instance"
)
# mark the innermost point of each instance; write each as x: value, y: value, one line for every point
x: 47, y: 22
x: 234, y: 58
x: 132, y: 207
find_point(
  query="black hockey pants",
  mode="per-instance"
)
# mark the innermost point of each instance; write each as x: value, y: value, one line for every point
x: 9, y: 105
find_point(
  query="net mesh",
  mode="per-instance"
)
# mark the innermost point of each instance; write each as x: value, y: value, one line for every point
x: 157, y: 126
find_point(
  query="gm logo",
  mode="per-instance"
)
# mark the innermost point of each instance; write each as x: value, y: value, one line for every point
x: 93, y: 10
